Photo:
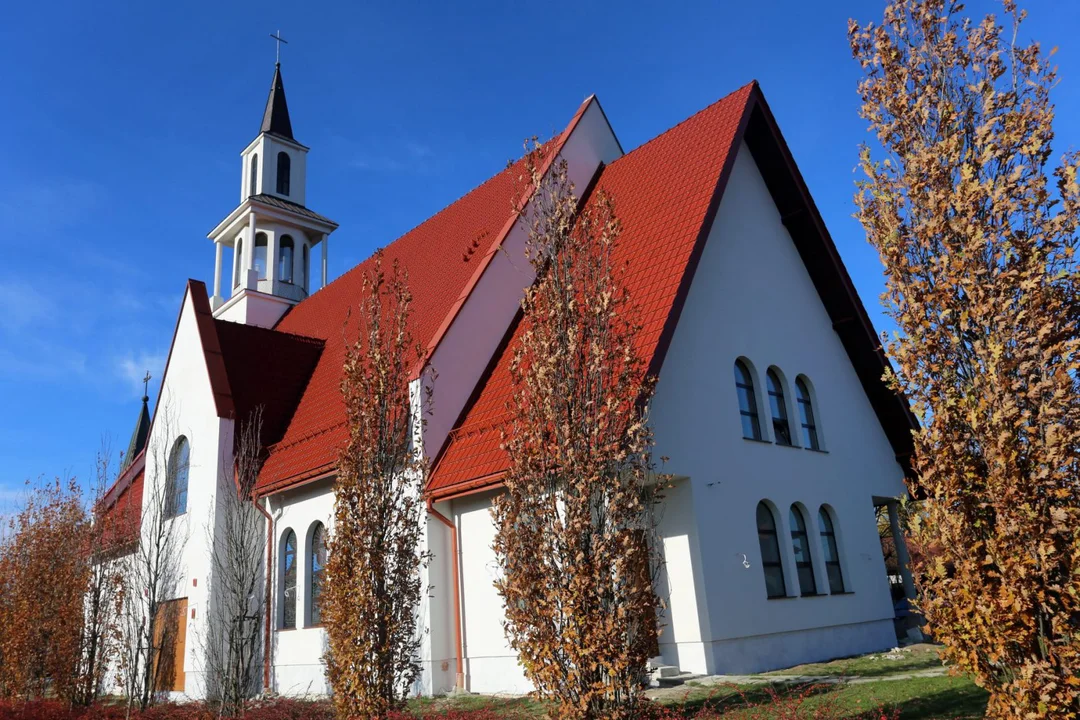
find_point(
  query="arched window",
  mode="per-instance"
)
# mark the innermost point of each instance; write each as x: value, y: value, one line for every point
x: 176, y: 487
x: 801, y: 545
x: 316, y: 570
x: 259, y: 259
x: 288, y: 581
x: 744, y: 387
x: 238, y: 261
x: 769, y: 541
x: 254, y: 175
x: 285, y: 259
x: 829, y: 549
x: 806, y: 415
x: 778, y: 407
x: 307, y: 270
x: 283, y: 170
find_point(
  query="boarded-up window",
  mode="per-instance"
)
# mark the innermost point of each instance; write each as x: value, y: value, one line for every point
x: 170, y: 637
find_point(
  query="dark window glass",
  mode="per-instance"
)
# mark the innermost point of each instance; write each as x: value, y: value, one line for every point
x: 307, y: 269
x: 238, y: 261
x: 259, y: 259
x: 744, y: 388
x: 778, y: 408
x: 829, y: 550
x: 288, y: 582
x: 283, y: 172
x: 285, y: 259
x: 176, y: 488
x: 770, y: 552
x: 254, y: 174
x: 801, y: 545
x: 806, y: 415
x: 318, y: 566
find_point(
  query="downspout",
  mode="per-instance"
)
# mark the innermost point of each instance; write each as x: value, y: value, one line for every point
x: 269, y: 581
x: 459, y: 681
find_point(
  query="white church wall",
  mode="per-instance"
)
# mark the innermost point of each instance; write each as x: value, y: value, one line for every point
x: 298, y: 668
x: 491, y: 666
x: 186, y: 407
x: 753, y: 298
x: 468, y: 344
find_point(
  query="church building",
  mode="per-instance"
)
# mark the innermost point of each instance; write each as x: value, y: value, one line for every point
x: 782, y: 439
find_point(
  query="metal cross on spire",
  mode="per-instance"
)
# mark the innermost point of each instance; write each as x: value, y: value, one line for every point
x: 146, y: 385
x: 277, y: 37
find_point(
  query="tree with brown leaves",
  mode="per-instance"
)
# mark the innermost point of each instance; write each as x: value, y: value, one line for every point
x: 372, y: 596
x: 43, y: 575
x: 574, y: 526
x: 976, y: 226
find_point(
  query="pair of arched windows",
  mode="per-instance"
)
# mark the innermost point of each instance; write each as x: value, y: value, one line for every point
x: 772, y: 558
x: 745, y: 389
x: 286, y: 250
x: 176, y: 478
x: 315, y: 572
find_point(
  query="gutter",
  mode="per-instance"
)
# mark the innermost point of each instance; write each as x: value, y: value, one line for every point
x: 459, y: 680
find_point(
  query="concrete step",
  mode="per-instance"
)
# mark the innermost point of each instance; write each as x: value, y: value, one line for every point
x: 673, y: 680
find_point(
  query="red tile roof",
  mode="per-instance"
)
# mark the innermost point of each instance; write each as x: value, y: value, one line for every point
x: 120, y: 511
x: 663, y: 193
x: 437, y: 256
x: 266, y: 368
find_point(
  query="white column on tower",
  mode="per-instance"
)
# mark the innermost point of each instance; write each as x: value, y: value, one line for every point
x: 217, y: 300
x: 249, y: 253
x: 325, y: 251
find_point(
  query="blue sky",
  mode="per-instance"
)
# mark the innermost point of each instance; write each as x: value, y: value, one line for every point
x: 122, y: 123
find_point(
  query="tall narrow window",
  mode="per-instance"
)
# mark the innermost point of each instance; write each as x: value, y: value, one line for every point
x: 801, y: 545
x: 238, y: 261
x: 778, y: 406
x: 258, y: 260
x: 829, y: 549
x: 176, y: 480
x: 744, y: 388
x: 288, y: 581
x: 254, y: 174
x: 283, y: 171
x: 285, y: 259
x: 316, y: 570
x: 307, y: 269
x: 769, y: 541
x: 806, y: 415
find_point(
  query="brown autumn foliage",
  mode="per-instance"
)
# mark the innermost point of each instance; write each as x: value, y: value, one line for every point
x: 44, y: 568
x: 975, y: 221
x: 574, y: 525
x: 373, y: 588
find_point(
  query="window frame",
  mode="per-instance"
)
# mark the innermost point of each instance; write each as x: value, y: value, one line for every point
x: 799, y: 533
x: 284, y: 173
x: 744, y: 382
x: 829, y: 544
x: 285, y: 269
x: 781, y: 425
x: 253, y: 184
x: 265, y: 245
x: 811, y: 439
x: 316, y: 571
x: 770, y: 567
x: 176, y: 496
x: 289, y: 550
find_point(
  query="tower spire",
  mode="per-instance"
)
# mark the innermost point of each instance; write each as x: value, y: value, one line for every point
x: 276, y: 116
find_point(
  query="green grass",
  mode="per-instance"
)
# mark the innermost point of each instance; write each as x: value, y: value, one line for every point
x: 925, y: 698
x: 918, y: 657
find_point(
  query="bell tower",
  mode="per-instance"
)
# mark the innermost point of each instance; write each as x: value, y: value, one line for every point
x: 272, y: 232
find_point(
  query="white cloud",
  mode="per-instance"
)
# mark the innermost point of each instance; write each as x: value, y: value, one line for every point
x: 133, y: 367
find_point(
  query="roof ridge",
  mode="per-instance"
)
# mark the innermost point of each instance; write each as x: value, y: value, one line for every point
x: 676, y: 126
